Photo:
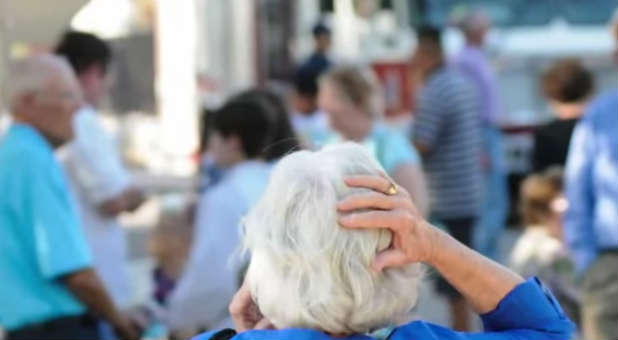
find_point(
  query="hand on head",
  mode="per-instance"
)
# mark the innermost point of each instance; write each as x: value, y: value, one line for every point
x: 412, y: 235
x: 383, y: 208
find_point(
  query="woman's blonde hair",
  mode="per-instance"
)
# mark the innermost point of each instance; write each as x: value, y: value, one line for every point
x: 359, y: 86
x: 306, y: 270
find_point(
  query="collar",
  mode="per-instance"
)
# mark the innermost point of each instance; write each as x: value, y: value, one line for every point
x: 27, y: 131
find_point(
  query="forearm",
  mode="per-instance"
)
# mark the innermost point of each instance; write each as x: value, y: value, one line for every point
x: 483, y: 282
x: 89, y: 289
x: 128, y: 200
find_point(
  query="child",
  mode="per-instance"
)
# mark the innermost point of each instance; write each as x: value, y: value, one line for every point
x: 540, y: 251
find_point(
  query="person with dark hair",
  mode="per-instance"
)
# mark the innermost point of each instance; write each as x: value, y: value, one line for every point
x: 90, y: 57
x: 101, y: 183
x: 308, y: 120
x: 319, y: 61
x: 568, y: 86
x: 475, y: 64
x: 241, y: 132
x: 284, y: 140
x: 447, y: 133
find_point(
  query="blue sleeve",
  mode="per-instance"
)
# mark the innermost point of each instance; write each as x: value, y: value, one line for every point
x: 60, y: 244
x: 528, y: 312
x: 398, y: 151
x: 579, y: 226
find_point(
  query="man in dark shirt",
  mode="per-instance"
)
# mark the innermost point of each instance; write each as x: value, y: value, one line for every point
x: 567, y: 86
x: 319, y: 61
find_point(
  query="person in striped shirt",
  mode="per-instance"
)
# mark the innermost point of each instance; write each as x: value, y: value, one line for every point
x: 447, y: 133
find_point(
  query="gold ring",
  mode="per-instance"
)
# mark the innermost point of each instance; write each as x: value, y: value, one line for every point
x: 392, y: 190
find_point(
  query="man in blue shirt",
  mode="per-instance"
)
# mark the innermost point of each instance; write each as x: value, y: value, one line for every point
x: 48, y: 285
x: 591, y: 223
x: 592, y: 219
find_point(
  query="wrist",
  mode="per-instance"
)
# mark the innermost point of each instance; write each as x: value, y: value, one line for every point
x: 438, y: 245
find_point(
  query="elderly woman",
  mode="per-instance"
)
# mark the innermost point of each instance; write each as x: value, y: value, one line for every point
x: 353, y: 99
x: 336, y: 250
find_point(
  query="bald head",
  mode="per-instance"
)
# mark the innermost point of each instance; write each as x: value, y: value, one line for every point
x: 42, y: 91
x: 34, y: 74
x: 475, y: 25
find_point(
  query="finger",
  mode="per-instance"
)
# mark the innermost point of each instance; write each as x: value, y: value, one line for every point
x: 373, y: 182
x: 390, y: 258
x: 369, y: 200
x: 371, y: 219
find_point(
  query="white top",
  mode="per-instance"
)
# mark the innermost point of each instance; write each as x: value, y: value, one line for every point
x: 96, y: 173
x: 534, y: 250
x: 214, y: 268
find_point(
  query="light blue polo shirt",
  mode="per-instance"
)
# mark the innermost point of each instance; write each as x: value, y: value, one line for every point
x: 40, y: 235
x: 388, y: 145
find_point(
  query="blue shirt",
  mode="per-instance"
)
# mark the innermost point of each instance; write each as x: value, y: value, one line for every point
x: 40, y: 236
x: 591, y: 223
x: 528, y: 312
x: 389, y: 146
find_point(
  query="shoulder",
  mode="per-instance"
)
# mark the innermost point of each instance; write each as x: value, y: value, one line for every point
x: 602, y: 109
x: 27, y: 158
x: 87, y: 126
x: 447, y: 82
x: 393, y: 139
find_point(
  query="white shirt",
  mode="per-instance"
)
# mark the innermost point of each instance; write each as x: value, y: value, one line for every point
x: 96, y: 174
x: 313, y: 129
x: 534, y: 250
x: 214, y: 268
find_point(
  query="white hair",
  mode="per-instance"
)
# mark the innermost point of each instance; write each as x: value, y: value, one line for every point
x: 308, y: 271
x: 32, y: 74
x: 474, y: 20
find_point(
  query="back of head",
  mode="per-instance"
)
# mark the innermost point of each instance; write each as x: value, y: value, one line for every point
x: 359, y: 86
x: 474, y: 24
x: 306, y: 82
x: 284, y: 139
x: 568, y: 81
x: 250, y: 121
x: 538, y: 191
x: 429, y: 37
x: 306, y: 270
x: 320, y: 29
x: 83, y: 50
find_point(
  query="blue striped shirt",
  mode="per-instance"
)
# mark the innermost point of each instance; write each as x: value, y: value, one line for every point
x: 448, y: 123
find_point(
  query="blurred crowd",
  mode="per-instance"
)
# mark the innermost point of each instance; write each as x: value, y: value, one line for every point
x: 64, y: 264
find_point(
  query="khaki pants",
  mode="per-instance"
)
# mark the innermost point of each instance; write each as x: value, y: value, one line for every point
x: 600, y: 299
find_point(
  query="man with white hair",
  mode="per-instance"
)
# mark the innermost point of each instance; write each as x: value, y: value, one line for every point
x: 49, y: 288
x: 473, y: 62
